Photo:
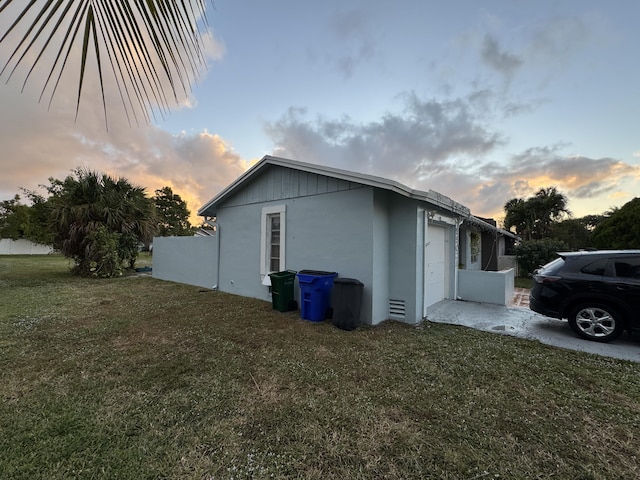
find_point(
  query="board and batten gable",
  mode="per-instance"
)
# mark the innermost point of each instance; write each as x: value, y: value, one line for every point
x: 279, y: 183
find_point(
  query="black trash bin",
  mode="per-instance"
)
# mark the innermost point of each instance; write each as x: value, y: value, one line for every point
x: 347, y: 301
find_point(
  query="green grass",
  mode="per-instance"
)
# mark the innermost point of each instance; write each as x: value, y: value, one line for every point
x: 523, y: 282
x: 138, y: 378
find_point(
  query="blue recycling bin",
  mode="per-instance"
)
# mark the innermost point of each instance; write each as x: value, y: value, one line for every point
x: 315, y: 293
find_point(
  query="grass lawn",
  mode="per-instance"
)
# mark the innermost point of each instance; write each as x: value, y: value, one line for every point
x: 523, y: 282
x: 139, y: 378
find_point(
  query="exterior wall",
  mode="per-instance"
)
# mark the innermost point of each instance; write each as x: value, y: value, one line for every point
x: 23, y: 247
x: 329, y: 231
x: 489, y: 251
x: 465, y: 259
x: 380, y: 260
x: 486, y: 287
x: 190, y: 260
x: 404, y: 265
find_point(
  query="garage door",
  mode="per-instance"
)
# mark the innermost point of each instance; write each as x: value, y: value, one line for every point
x: 436, y: 278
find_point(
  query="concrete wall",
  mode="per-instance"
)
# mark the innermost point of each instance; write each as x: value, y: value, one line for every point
x: 23, y: 247
x: 486, y: 287
x: 190, y: 260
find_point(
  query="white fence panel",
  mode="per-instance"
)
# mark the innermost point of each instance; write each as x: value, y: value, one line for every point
x: 23, y: 247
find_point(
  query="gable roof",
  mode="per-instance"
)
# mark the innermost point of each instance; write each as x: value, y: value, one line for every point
x: 210, y: 208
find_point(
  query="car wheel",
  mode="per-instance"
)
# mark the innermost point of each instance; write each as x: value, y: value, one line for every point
x: 596, y: 322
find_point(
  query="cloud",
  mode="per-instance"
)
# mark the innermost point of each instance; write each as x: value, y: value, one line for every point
x: 38, y: 144
x: 425, y: 138
x: 351, y: 32
x: 498, y: 59
x: 445, y: 145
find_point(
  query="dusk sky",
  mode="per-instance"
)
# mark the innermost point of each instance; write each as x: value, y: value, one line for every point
x: 482, y: 101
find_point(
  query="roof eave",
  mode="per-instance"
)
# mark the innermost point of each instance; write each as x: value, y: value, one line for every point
x: 433, y: 197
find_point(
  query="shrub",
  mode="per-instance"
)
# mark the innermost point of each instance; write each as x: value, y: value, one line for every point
x: 101, y: 256
x: 534, y: 253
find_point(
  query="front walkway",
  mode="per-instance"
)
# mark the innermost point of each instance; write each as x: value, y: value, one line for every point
x: 520, y: 298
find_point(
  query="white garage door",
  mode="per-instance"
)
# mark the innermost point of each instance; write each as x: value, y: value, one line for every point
x: 436, y: 278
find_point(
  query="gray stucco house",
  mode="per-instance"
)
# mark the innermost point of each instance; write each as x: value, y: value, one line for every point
x: 402, y: 244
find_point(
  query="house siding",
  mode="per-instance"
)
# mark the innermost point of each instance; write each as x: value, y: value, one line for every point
x: 279, y: 183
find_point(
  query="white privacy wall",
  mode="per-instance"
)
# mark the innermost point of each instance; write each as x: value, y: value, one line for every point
x: 486, y: 287
x: 190, y: 260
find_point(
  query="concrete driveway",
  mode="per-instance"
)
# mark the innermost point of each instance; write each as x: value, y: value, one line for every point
x: 517, y: 320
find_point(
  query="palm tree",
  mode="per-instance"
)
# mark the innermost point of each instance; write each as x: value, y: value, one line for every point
x: 100, y: 220
x: 153, y: 48
x: 551, y: 206
x: 533, y: 218
x: 518, y: 215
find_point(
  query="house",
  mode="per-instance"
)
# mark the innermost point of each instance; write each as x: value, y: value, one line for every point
x: 281, y: 214
x: 484, y: 246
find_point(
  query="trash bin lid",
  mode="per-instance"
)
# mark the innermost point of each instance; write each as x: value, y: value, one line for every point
x: 348, y: 281
x: 317, y: 273
x: 284, y: 273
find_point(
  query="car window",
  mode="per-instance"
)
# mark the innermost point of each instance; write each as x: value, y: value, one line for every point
x: 628, y: 268
x: 595, y: 268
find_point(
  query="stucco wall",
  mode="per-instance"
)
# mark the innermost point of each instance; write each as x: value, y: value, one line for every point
x: 328, y: 231
x: 380, y: 260
x: 404, y: 265
x: 190, y: 260
x: 486, y: 287
x: 23, y: 247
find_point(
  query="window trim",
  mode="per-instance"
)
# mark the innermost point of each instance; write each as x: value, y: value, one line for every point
x: 265, y: 241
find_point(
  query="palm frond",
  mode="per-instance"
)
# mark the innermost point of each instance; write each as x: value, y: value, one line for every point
x: 152, y: 49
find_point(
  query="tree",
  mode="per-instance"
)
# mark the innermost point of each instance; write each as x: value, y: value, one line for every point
x: 14, y: 218
x: 621, y: 230
x: 533, y: 218
x: 172, y: 213
x: 573, y: 232
x: 99, y: 221
x: 519, y: 216
x: 152, y: 47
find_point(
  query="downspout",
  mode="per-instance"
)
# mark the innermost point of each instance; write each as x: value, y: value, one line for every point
x: 216, y: 227
x: 459, y: 222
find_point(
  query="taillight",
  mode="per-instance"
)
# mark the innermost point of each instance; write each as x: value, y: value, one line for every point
x: 545, y: 278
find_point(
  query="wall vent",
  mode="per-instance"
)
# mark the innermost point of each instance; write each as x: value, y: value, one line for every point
x: 397, y: 310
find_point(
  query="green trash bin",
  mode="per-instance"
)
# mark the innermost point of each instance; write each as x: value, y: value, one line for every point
x: 282, y: 290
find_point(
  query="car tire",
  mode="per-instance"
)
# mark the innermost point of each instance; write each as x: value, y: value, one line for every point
x: 596, y: 321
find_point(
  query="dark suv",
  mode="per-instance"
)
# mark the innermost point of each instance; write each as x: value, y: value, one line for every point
x: 597, y: 291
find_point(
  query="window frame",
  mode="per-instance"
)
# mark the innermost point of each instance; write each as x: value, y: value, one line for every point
x: 265, y: 238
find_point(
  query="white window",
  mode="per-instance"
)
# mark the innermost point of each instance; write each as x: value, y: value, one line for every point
x: 272, y: 243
